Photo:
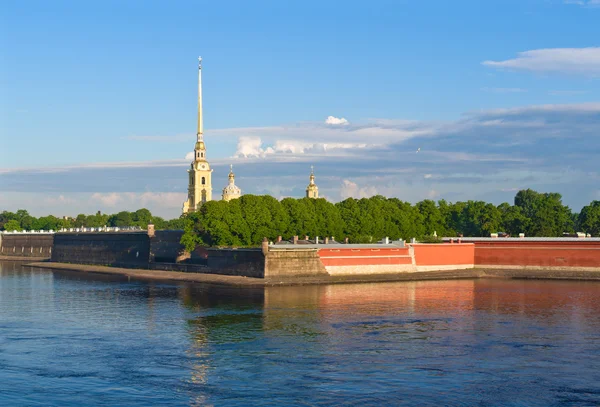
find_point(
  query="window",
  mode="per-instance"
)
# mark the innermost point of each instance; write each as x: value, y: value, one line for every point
x: 202, y: 155
x: 203, y: 181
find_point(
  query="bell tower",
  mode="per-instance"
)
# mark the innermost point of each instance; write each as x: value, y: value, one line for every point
x: 312, y: 190
x: 200, y: 173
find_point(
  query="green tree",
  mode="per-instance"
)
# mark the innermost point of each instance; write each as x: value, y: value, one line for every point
x: 545, y: 213
x: 121, y: 219
x: 141, y: 217
x: 513, y: 220
x: 589, y: 219
x: 12, y: 225
x: 432, y: 217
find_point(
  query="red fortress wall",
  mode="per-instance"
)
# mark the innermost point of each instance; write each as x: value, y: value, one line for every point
x: 514, y: 253
x: 431, y: 257
x: 364, y: 260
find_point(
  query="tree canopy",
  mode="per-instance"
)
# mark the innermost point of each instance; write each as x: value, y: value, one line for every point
x: 247, y: 220
x: 22, y: 220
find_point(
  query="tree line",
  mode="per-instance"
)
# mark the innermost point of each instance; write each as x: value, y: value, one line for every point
x: 245, y: 221
x: 22, y: 220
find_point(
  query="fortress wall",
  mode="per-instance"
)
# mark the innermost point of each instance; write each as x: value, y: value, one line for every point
x: 293, y: 263
x: 165, y: 246
x: 361, y: 261
x: 543, y: 255
x: 236, y: 262
x: 443, y: 256
x: 37, y: 245
x: 125, y: 249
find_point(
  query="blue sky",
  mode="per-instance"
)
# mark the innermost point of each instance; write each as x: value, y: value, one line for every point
x: 98, y: 100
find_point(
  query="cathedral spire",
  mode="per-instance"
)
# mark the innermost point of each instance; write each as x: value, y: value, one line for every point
x: 200, y: 173
x: 200, y: 130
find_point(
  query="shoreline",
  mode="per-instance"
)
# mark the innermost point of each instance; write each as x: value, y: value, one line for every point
x: 219, y: 279
x: 24, y: 258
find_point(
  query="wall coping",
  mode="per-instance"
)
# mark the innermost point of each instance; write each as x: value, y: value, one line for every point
x: 283, y: 247
x: 524, y: 239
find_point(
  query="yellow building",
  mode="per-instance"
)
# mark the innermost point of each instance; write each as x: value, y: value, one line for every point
x: 200, y: 173
x: 312, y: 190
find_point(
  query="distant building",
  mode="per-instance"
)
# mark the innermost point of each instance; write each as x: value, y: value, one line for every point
x: 200, y: 173
x: 312, y: 190
x: 231, y: 191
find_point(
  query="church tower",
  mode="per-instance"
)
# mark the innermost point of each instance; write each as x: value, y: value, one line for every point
x: 231, y: 191
x: 312, y: 190
x: 200, y: 173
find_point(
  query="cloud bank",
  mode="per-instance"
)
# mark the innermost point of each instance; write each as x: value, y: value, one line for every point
x: 584, y: 61
x: 485, y: 155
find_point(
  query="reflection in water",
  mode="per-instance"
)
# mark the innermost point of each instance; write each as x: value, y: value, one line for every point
x: 71, y: 338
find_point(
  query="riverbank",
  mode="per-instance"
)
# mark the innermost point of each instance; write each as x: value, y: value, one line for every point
x: 23, y: 258
x: 218, y: 279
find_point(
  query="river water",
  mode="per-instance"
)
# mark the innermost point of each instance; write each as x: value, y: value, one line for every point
x: 75, y: 339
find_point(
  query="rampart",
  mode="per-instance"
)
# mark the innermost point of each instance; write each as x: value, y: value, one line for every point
x: 121, y: 249
x: 30, y: 245
x: 437, y: 257
x: 237, y: 262
x: 580, y: 254
x: 288, y: 263
x: 165, y: 246
x: 161, y: 250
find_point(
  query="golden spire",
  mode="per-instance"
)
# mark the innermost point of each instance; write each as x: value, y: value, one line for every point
x: 200, y: 132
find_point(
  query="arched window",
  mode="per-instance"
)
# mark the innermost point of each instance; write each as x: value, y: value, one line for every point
x: 203, y: 181
x: 202, y: 155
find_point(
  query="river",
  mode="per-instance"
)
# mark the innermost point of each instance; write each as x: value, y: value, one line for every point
x: 76, y: 339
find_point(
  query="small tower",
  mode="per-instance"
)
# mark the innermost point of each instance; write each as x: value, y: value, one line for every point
x: 200, y: 173
x: 231, y: 191
x: 312, y: 190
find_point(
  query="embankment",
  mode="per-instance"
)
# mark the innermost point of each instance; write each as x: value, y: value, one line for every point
x: 219, y: 279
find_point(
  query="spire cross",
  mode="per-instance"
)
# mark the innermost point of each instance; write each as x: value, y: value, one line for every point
x: 231, y: 167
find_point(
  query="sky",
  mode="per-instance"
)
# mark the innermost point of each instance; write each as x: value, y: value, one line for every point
x: 454, y: 100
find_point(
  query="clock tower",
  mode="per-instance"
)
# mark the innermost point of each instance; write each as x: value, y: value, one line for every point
x: 200, y: 173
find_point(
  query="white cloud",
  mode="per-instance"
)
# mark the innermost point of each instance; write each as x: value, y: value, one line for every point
x: 475, y: 157
x: 335, y: 120
x: 189, y: 156
x: 584, y: 61
x: 107, y: 199
x: 136, y: 200
x: 351, y: 189
x: 250, y: 147
x: 432, y: 194
x: 59, y: 200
